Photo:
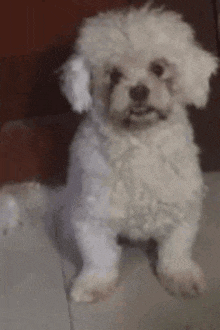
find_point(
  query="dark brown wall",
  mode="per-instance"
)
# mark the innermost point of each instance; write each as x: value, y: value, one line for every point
x: 37, y: 39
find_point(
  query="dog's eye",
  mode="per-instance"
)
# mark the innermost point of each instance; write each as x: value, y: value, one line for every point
x: 157, y: 69
x: 115, y: 76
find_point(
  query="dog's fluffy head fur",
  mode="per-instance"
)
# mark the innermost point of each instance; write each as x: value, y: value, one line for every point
x: 141, y: 63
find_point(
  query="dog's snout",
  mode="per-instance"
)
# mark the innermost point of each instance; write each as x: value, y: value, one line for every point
x: 139, y: 93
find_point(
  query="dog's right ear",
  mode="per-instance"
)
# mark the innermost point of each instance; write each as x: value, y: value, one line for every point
x: 75, y: 81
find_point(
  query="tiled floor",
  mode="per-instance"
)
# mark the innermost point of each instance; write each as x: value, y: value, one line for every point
x: 31, y: 288
x: 32, y: 295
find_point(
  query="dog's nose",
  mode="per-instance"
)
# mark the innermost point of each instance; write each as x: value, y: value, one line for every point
x: 139, y: 93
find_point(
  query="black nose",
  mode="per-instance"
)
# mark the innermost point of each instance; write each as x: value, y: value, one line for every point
x: 139, y: 93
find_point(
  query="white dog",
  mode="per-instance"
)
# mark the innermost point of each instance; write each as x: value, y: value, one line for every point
x: 134, y: 73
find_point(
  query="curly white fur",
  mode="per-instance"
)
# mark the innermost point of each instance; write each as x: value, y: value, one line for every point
x: 141, y: 179
x: 134, y: 167
x: 76, y: 84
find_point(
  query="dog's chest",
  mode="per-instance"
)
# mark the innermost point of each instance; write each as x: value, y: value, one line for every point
x: 151, y: 182
x: 165, y: 168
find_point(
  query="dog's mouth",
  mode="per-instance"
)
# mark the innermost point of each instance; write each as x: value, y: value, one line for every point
x: 141, y: 111
x: 141, y: 115
x: 145, y: 114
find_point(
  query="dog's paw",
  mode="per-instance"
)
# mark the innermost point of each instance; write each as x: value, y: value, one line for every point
x: 94, y: 285
x: 9, y: 213
x: 186, y: 281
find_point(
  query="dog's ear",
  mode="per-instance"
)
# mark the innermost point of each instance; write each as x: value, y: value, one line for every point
x: 196, y: 71
x: 75, y: 83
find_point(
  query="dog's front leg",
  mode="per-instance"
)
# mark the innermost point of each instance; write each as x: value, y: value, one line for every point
x: 177, y: 272
x: 101, y: 256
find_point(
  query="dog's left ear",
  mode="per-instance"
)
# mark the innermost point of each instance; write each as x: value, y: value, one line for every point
x: 75, y: 83
x: 198, y: 67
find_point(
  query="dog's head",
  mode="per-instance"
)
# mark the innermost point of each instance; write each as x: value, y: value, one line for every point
x: 137, y: 65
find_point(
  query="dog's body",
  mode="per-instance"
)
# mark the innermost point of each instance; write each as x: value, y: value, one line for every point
x: 137, y: 166
x: 140, y: 168
x: 139, y: 183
